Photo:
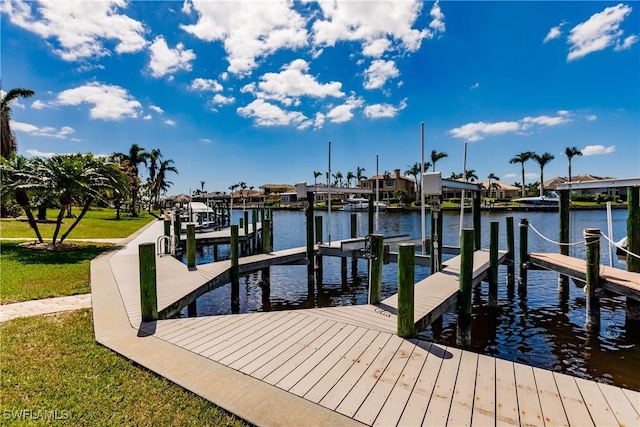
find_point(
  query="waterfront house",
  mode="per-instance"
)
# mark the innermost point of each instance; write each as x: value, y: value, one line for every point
x: 499, y: 190
x: 553, y: 183
x: 389, y: 184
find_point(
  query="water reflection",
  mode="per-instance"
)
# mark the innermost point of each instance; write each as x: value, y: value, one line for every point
x: 542, y: 328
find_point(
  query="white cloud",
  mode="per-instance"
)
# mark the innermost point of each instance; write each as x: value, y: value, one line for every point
x: 627, y: 43
x: 376, y: 48
x: 480, y: 130
x: 596, y: 150
x: 599, y: 32
x: 205, y: 85
x: 319, y: 121
x: 553, y: 33
x: 344, y: 113
x: 223, y: 100
x: 367, y: 22
x: 156, y: 109
x: 38, y: 105
x: 379, y: 72
x: 267, y: 114
x: 109, y: 102
x: 170, y: 122
x: 592, y: 117
x: 437, y: 24
x: 165, y: 60
x: 147, y: 117
x: 224, y: 76
x: 248, y: 30
x: 377, y: 111
x: 36, y: 153
x: 476, y: 85
x: 79, y: 28
x: 291, y: 83
x: 46, y: 131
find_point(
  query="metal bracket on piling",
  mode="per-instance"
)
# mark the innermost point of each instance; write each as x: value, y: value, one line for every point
x: 367, y: 251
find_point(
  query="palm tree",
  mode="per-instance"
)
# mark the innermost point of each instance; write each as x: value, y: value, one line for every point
x: 316, y: 174
x: 492, y: 176
x: 414, y: 170
x: 542, y: 161
x: 471, y: 175
x: 338, y: 179
x: 9, y: 144
x: 455, y: 175
x: 435, y: 156
x: 350, y: 176
x: 359, y: 175
x: 161, y: 184
x: 521, y: 158
x: 570, y: 152
x: 136, y: 156
x: 18, y: 179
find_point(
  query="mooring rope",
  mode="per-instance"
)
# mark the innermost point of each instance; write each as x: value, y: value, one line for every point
x: 554, y: 242
x: 620, y: 247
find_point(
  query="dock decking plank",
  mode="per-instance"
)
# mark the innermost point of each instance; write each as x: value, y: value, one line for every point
x: 484, y: 401
x: 440, y: 403
x: 622, y: 408
x: 634, y: 398
x: 460, y: 413
x: 506, y: 394
x: 600, y: 411
x: 528, y: 399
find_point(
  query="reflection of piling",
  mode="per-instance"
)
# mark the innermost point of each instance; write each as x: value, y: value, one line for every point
x: 524, y: 256
x: 406, y: 283
x: 375, y: 268
x: 191, y: 246
x: 463, y: 332
x: 148, y: 288
x: 493, y: 263
x: 235, y: 279
x: 592, y: 240
x: 511, y: 250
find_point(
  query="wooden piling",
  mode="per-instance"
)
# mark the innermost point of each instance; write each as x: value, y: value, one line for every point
x: 192, y: 309
x: 493, y: 261
x: 266, y: 233
x: 167, y: 232
x: 406, y: 282
x: 592, y: 240
x: 511, y: 250
x: 633, y: 246
x: 148, y: 287
x: 235, y: 279
x: 463, y: 331
x: 375, y: 269
x: 191, y: 246
x: 524, y: 255
x: 246, y: 222
x: 310, y: 241
x: 177, y: 227
x: 563, y: 238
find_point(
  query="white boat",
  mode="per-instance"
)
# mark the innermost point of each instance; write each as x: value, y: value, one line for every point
x: 198, y: 213
x: 359, y: 204
x: 549, y: 199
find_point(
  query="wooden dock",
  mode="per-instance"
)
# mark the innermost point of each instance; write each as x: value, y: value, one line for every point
x: 335, y: 366
x: 614, y: 280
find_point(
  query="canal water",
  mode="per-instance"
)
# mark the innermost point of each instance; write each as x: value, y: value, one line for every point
x: 540, y: 328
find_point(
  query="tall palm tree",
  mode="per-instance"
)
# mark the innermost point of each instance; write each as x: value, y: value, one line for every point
x: 154, y: 157
x: 350, y: 176
x: 359, y: 175
x: 570, y: 152
x: 316, y: 174
x: 414, y: 170
x: 471, y: 175
x: 161, y: 184
x: 9, y: 144
x: 542, y: 161
x: 135, y: 157
x: 521, y: 158
x: 18, y: 178
x: 437, y: 155
x: 455, y: 175
x: 338, y: 179
x: 492, y: 176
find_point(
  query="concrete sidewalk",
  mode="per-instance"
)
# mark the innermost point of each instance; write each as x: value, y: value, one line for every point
x: 43, y: 306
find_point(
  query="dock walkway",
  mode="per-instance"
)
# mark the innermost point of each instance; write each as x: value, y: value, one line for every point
x: 333, y: 366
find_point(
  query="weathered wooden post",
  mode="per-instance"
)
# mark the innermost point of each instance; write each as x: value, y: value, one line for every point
x: 371, y: 211
x: 266, y: 232
x: 477, y: 220
x: 191, y: 246
x: 319, y: 266
x: 246, y: 222
x: 167, y: 233
x: 563, y: 238
x: 235, y: 279
x: 524, y: 255
x: 148, y: 287
x: 192, y: 309
x: 406, y: 283
x: 177, y: 227
x: 254, y: 223
x: 592, y: 240
x: 354, y: 260
x: 511, y: 250
x: 633, y: 246
x: 493, y: 262
x: 375, y: 268
x: 463, y: 331
x: 310, y: 241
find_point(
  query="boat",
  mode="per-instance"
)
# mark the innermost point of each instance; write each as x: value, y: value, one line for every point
x: 549, y: 199
x: 199, y: 214
x: 359, y: 204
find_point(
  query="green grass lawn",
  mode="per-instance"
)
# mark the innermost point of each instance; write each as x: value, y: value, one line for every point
x: 96, y: 224
x: 53, y: 363
x: 33, y: 274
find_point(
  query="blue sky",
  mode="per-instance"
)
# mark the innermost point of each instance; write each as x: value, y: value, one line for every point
x: 254, y: 91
